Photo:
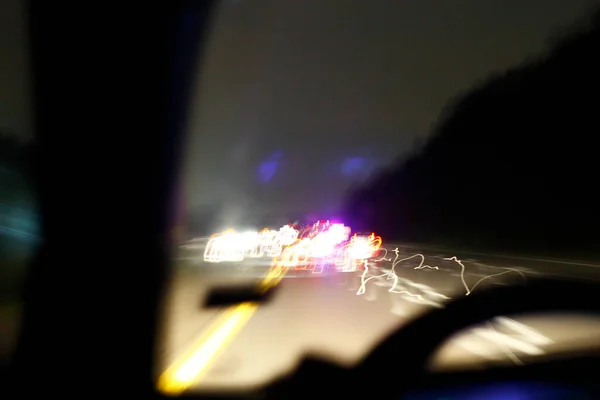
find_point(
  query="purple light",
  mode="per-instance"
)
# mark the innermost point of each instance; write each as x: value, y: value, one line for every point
x: 268, y: 168
x: 352, y: 165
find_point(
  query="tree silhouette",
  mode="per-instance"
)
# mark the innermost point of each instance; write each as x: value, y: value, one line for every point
x: 510, y: 164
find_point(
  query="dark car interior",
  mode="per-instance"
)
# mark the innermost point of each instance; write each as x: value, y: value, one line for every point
x: 111, y: 83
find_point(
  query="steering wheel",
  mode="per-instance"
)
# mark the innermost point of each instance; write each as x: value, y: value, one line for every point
x: 403, y: 356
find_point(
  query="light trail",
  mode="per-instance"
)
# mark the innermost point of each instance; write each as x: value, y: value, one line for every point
x: 411, y: 291
x: 415, y: 292
x: 232, y: 246
x: 468, y: 289
x: 329, y: 245
x: 510, y: 337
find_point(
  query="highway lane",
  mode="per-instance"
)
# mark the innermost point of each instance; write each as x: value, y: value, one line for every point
x: 332, y: 314
x: 538, y: 265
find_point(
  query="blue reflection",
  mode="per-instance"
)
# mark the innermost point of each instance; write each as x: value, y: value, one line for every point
x: 506, y: 391
x: 353, y: 165
x: 268, y: 168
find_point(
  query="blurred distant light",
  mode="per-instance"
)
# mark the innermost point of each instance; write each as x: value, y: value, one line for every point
x: 268, y: 168
x: 353, y: 165
x: 232, y: 246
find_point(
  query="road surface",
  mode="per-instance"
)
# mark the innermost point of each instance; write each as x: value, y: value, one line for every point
x: 341, y: 316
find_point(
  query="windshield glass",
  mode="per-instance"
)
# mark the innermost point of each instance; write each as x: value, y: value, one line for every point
x: 375, y: 160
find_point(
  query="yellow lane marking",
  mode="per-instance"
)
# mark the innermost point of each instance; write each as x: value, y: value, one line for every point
x: 273, y: 278
x: 186, y: 371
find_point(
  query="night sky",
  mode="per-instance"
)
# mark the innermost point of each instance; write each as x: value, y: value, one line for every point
x: 300, y: 99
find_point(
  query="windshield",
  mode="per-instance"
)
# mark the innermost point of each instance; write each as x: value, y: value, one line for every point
x: 375, y: 160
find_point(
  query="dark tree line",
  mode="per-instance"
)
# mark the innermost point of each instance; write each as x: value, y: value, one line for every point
x: 512, y: 164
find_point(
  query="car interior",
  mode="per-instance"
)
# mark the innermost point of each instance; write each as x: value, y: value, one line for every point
x: 111, y: 84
